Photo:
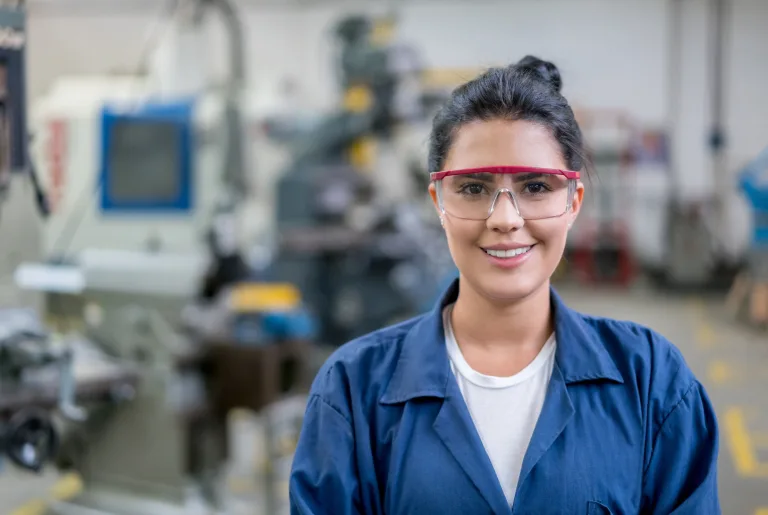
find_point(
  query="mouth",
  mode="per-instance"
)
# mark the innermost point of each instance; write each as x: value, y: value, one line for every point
x: 509, y: 254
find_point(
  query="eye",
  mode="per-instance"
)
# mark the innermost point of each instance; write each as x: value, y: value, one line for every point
x: 536, y: 188
x: 472, y: 189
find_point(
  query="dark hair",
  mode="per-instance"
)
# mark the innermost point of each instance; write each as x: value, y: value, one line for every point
x: 528, y: 90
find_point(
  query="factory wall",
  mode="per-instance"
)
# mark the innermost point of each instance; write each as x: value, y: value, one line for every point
x: 613, y: 55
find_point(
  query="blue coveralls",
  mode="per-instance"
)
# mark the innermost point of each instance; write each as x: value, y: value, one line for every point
x: 626, y: 428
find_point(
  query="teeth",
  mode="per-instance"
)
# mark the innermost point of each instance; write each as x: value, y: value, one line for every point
x: 508, y: 253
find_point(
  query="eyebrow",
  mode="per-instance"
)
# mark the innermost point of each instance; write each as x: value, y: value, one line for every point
x: 528, y: 176
x: 480, y: 176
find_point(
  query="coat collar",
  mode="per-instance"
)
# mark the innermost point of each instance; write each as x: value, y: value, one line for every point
x: 423, y: 368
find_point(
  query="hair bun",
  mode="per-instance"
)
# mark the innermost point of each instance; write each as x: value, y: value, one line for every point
x: 544, y: 69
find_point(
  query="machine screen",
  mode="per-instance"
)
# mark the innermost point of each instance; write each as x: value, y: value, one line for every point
x: 144, y: 162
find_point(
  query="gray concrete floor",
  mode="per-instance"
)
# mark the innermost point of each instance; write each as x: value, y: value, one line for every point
x: 731, y: 360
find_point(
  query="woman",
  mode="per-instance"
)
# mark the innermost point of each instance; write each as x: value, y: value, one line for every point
x: 502, y: 399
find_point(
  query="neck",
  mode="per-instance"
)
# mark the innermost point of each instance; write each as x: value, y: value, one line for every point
x: 480, y: 321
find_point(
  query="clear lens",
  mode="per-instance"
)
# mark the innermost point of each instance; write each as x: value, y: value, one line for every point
x: 536, y: 195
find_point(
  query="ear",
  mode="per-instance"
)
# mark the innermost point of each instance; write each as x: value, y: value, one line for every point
x: 578, y: 199
x: 433, y: 194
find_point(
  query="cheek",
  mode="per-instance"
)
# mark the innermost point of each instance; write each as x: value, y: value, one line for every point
x: 463, y: 235
x: 552, y: 233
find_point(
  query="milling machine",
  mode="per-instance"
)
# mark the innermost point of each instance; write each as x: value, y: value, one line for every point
x: 154, y: 329
x: 362, y: 259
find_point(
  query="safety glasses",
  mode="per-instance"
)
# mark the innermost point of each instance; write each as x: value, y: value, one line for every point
x: 536, y: 193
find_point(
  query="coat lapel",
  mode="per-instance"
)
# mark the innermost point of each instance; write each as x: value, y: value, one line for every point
x: 455, y: 428
x: 555, y: 415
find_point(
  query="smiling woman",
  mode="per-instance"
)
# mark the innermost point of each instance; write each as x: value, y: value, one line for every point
x: 527, y: 204
x: 502, y: 399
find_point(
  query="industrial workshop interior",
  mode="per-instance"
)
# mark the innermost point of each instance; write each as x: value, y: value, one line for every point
x: 202, y: 201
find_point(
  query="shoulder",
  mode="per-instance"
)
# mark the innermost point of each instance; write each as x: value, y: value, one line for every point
x: 635, y: 344
x: 361, y: 367
x: 647, y: 360
x: 675, y: 407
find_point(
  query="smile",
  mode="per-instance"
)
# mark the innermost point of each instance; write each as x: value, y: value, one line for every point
x: 505, y: 254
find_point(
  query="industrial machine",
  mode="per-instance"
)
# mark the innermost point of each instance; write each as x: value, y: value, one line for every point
x: 696, y: 247
x: 137, y: 408
x: 360, y: 259
x: 154, y: 328
x: 37, y: 374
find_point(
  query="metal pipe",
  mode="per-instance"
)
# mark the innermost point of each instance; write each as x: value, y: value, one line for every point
x: 674, y: 78
x: 234, y: 31
x: 234, y: 157
x: 717, y: 142
x: 717, y: 137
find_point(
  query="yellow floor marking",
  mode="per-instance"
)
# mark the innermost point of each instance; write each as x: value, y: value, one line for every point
x: 31, y: 508
x: 67, y: 487
x: 720, y: 372
x: 742, y: 447
x: 761, y: 511
x: 705, y: 335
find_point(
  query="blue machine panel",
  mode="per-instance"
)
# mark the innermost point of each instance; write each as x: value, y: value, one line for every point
x: 146, y: 158
x: 754, y: 183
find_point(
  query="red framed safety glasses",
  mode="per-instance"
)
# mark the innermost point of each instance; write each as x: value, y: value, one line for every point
x: 535, y: 193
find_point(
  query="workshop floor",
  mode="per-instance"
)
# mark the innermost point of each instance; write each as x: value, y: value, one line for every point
x: 731, y: 360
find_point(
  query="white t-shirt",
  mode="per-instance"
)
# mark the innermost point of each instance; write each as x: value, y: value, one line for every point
x: 504, y: 409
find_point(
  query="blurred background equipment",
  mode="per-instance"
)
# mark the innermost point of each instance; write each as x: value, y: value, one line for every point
x: 748, y: 297
x: 13, y: 138
x: 36, y: 406
x: 601, y: 249
x: 697, y: 229
x: 163, y: 324
x: 691, y: 259
x: 13, y: 122
x: 361, y: 259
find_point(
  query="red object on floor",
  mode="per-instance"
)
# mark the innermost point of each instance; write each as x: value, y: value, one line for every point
x: 603, y: 255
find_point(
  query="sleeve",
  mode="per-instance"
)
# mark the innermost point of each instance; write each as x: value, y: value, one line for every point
x: 681, y: 476
x: 323, y: 477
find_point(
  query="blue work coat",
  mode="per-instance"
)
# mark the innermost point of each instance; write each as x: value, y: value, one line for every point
x: 626, y: 428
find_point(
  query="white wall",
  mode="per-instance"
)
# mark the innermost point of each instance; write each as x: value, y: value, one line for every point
x: 747, y: 90
x: 612, y: 54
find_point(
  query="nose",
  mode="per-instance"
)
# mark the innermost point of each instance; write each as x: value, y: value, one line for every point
x: 504, y: 214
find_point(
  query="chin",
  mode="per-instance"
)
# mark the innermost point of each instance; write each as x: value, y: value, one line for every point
x: 509, y: 289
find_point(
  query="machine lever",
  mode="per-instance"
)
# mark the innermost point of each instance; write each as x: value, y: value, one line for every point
x: 67, y: 391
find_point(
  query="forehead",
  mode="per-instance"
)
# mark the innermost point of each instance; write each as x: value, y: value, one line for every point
x: 502, y: 142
